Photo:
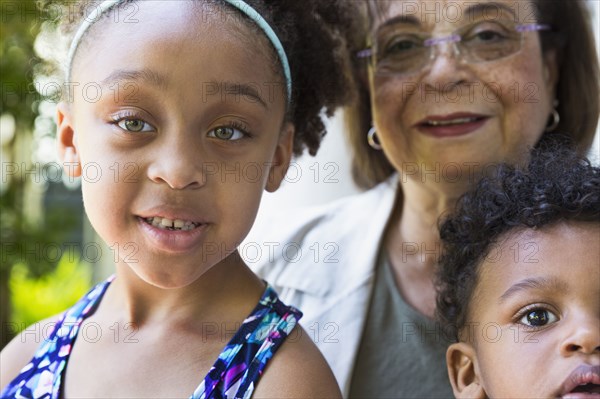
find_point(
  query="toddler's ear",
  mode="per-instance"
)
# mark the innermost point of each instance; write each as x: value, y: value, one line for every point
x: 463, y: 373
x: 281, y: 158
x: 67, y: 146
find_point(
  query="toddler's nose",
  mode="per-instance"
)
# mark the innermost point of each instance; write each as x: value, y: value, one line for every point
x: 583, y: 338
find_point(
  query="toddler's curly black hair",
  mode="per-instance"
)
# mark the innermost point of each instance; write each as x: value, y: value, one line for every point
x: 557, y: 185
x: 313, y: 35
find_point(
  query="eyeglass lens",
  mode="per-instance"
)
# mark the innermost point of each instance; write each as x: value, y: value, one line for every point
x: 406, y: 50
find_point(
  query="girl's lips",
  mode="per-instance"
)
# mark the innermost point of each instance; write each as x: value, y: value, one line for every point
x: 173, y: 240
x: 451, y: 125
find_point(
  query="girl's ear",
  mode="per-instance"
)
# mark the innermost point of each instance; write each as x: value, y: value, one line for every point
x: 281, y: 158
x: 463, y: 372
x: 67, y: 143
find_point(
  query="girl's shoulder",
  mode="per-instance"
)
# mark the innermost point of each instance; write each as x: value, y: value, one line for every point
x: 270, y: 335
x: 39, y: 349
x: 298, y: 370
x: 21, y: 349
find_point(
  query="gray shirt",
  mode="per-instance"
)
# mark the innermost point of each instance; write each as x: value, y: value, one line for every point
x: 402, y: 353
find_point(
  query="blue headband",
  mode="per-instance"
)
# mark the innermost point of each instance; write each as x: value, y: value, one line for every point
x: 239, y: 4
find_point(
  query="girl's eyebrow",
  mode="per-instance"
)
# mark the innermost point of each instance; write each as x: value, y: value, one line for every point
x: 238, y: 89
x: 161, y: 81
x: 552, y: 284
x: 131, y: 75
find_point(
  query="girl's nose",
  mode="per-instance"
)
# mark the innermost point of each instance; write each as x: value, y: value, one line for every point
x: 584, y: 338
x: 179, y: 164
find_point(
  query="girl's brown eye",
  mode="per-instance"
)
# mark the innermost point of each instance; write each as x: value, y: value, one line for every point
x: 134, y: 125
x: 227, y: 133
x: 224, y: 133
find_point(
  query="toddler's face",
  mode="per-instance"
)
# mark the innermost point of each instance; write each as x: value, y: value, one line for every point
x: 533, y: 328
x: 177, y: 119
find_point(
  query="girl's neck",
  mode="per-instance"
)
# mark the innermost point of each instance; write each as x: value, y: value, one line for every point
x: 226, y: 286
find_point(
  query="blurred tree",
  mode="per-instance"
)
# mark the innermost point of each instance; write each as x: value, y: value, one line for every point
x: 35, y: 299
x: 22, y: 236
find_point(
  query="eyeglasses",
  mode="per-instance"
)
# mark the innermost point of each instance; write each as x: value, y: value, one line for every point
x: 405, y: 51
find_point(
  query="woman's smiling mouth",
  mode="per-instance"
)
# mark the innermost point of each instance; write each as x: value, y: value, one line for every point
x: 450, y: 125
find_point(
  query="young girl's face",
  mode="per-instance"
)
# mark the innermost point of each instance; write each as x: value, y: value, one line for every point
x: 534, y: 320
x: 177, y: 120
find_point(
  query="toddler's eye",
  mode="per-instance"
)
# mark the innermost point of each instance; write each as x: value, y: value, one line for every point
x: 134, y: 125
x: 226, y: 133
x: 538, y: 317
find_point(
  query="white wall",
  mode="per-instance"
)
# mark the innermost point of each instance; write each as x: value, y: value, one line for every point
x: 315, y: 180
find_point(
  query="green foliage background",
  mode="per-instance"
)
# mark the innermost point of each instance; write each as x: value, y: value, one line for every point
x: 37, y: 298
x: 30, y: 289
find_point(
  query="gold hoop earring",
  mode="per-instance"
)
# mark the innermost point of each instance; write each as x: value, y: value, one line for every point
x: 372, y: 139
x: 555, y: 118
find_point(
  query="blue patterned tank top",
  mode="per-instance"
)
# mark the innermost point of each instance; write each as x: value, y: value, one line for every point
x: 234, y: 374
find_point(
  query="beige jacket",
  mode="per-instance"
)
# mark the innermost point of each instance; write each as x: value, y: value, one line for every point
x: 322, y: 260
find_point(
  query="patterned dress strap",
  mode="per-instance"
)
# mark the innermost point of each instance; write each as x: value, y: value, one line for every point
x: 243, y: 360
x: 41, y: 377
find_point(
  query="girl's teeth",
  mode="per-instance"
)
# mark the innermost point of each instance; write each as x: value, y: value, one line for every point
x: 170, y: 224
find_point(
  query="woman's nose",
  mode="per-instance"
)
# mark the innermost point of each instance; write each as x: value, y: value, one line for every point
x: 446, y: 67
x: 178, y: 163
x: 583, y: 337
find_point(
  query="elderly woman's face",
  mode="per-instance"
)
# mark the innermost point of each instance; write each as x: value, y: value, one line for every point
x: 449, y: 107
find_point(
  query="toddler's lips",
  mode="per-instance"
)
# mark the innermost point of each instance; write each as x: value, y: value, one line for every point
x: 582, y: 383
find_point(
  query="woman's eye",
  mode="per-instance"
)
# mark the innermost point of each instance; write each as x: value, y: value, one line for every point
x: 487, y: 32
x: 538, y: 317
x: 403, y: 45
x: 488, y: 36
x: 135, y: 125
x: 226, y: 133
